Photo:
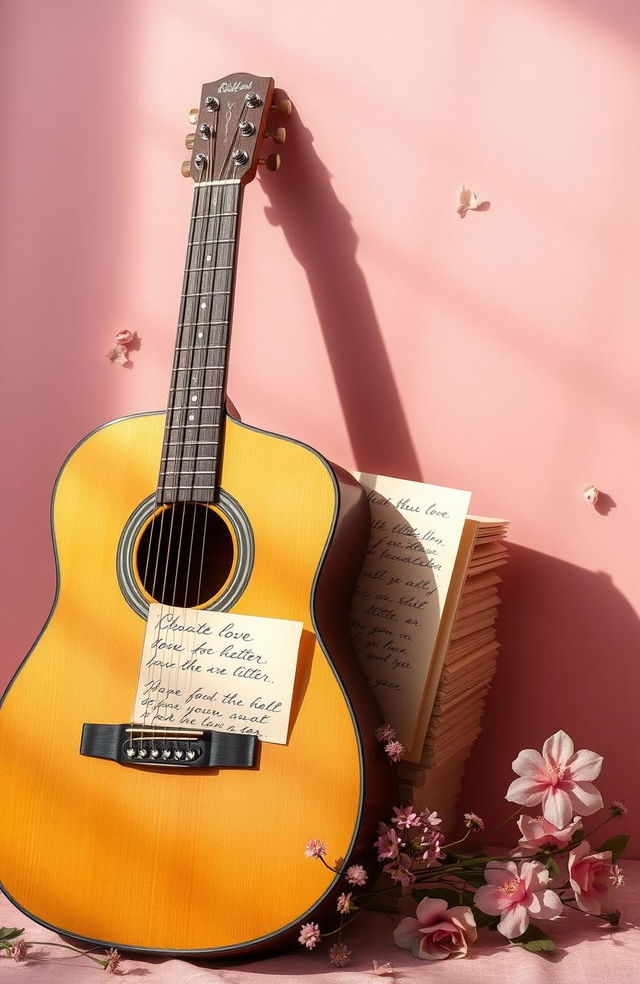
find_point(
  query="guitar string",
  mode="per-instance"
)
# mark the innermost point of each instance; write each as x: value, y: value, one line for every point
x: 159, y: 497
x: 204, y: 214
x: 204, y: 217
x: 222, y: 206
x: 233, y: 190
x: 234, y: 193
x: 169, y: 432
x: 207, y: 351
x: 173, y: 506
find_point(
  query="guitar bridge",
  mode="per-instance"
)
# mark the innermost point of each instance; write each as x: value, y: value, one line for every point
x: 131, y: 745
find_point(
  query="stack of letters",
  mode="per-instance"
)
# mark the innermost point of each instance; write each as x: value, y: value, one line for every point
x: 423, y: 624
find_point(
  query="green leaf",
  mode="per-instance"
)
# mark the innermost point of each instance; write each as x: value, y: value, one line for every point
x: 552, y: 866
x: 7, y: 933
x: 617, y: 845
x: 535, y: 940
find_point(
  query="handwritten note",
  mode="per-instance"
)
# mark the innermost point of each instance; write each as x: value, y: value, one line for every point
x: 400, y: 594
x: 216, y: 671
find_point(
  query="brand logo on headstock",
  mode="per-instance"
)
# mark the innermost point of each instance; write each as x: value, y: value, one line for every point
x: 234, y: 86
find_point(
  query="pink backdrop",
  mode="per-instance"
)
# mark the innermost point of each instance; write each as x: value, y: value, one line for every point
x: 497, y: 353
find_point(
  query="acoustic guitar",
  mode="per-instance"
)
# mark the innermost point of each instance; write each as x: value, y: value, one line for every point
x: 178, y: 841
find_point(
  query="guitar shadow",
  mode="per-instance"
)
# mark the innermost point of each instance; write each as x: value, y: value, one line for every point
x: 321, y: 236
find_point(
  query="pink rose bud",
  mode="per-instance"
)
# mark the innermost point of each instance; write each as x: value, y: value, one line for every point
x: 124, y: 337
x: 437, y: 932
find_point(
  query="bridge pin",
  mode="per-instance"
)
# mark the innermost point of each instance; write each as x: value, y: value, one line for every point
x: 130, y: 752
x: 155, y: 753
x: 142, y: 753
x: 191, y: 754
x: 166, y: 753
x: 178, y: 754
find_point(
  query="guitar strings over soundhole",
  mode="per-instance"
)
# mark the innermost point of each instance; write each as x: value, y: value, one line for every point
x: 185, y: 554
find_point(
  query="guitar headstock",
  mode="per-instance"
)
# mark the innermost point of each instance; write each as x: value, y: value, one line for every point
x: 231, y: 123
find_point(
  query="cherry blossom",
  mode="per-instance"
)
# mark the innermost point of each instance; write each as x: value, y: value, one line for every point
x: 560, y: 779
x: 516, y: 893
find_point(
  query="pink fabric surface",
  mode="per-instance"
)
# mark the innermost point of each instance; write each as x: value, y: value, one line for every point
x: 587, y: 952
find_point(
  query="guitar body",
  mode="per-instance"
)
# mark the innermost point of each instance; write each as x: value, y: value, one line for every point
x: 198, y: 862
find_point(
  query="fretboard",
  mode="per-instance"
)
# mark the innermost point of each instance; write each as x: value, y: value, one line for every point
x: 193, y: 436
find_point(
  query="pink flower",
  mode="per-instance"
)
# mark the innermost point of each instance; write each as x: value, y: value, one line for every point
x: 432, y: 843
x: 112, y: 963
x: 356, y: 875
x: 473, y: 821
x: 559, y: 779
x: 309, y: 935
x: 124, y: 337
x: 385, y: 733
x: 339, y: 955
x: 315, y: 849
x: 592, y: 878
x: 516, y: 893
x: 405, y: 818
x: 118, y: 354
x: 388, y: 844
x: 618, y: 809
x: 430, y: 819
x: 399, y: 870
x: 395, y: 750
x: 344, y: 903
x: 536, y: 832
x: 437, y: 932
x: 616, y: 878
x: 18, y: 951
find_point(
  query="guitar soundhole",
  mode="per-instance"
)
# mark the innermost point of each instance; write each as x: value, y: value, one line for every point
x: 185, y: 555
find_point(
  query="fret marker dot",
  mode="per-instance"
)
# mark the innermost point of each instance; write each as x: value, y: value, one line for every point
x: 191, y: 417
x: 199, y: 334
x: 194, y: 399
x: 204, y: 304
x: 209, y: 258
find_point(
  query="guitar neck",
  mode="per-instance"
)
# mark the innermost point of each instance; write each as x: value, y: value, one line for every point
x: 194, y: 430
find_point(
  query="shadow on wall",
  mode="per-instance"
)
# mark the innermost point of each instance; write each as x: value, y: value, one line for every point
x: 570, y: 659
x: 320, y: 234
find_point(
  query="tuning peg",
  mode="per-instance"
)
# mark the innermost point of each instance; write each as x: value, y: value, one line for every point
x: 272, y: 162
x: 283, y: 107
x: 278, y: 136
x: 193, y: 116
x: 189, y: 141
x: 185, y: 169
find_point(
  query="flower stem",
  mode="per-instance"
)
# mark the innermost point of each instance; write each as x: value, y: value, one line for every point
x: 445, y: 847
x: 65, y: 946
x: 511, y: 816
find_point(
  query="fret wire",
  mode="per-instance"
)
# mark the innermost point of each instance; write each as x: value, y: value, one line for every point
x: 215, y: 215
x: 210, y: 293
x: 197, y: 426
x: 199, y: 368
x: 198, y: 406
x: 187, y: 389
x: 211, y: 242
x: 180, y: 443
x: 186, y: 471
x: 202, y: 457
